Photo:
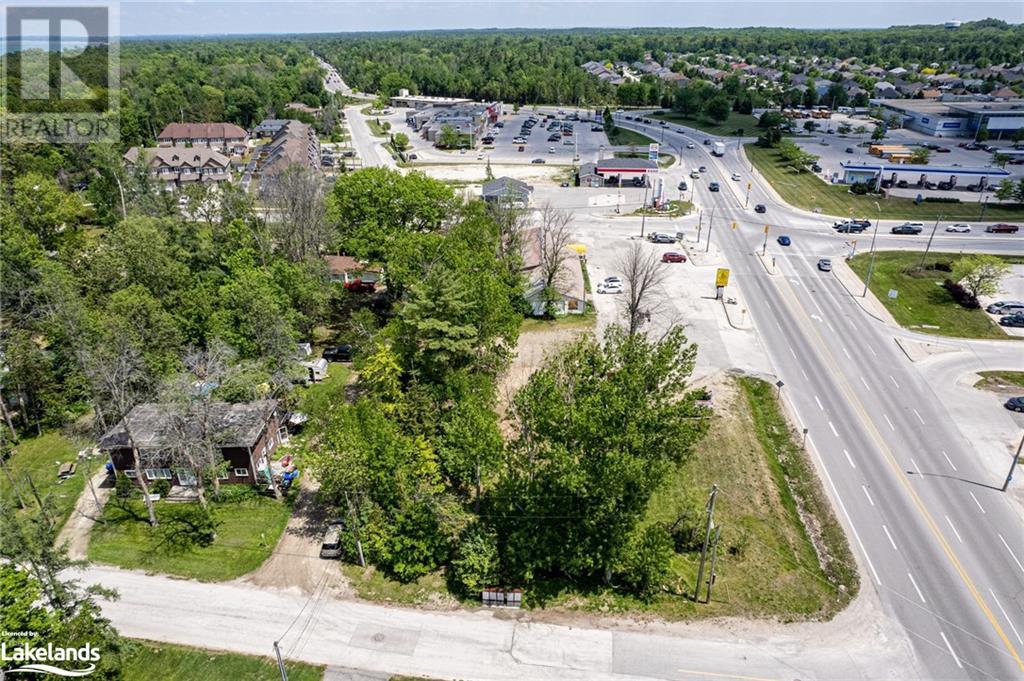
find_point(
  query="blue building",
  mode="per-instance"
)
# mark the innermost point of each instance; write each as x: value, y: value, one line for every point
x: 917, y: 174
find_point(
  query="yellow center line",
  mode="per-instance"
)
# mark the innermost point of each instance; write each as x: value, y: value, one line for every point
x: 724, y: 676
x: 873, y: 433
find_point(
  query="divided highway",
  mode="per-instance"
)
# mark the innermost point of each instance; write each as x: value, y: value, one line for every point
x: 938, y: 541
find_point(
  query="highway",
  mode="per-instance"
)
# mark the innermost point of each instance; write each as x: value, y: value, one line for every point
x: 941, y: 545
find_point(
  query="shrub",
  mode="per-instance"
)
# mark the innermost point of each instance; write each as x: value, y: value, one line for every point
x: 860, y: 188
x: 961, y: 295
x: 123, y: 487
x: 475, y: 564
x: 941, y: 199
x: 161, y: 487
x: 645, y: 565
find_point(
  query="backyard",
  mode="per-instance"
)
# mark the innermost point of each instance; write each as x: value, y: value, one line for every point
x: 805, y: 190
x: 921, y: 303
x: 730, y: 127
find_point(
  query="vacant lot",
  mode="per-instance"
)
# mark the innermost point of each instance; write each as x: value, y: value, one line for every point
x: 922, y: 303
x: 165, y: 662
x: 247, y: 529
x: 805, y: 190
x: 735, y: 124
x: 39, y: 458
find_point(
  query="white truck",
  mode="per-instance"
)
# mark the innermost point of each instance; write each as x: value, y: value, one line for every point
x: 718, y: 149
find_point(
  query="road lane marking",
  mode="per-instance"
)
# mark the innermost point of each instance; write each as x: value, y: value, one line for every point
x: 694, y: 672
x: 886, y: 417
x: 950, y: 461
x: 891, y: 541
x: 917, y: 589
x: 830, y: 327
x: 917, y: 469
x: 850, y: 459
x: 792, y: 351
x: 846, y: 352
x: 872, y: 351
x: 917, y: 415
x: 834, y: 431
x: 804, y: 373
x: 1008, y: 620
x: 894, y: 382
x: 952, y: 527
x: 865, y: 383
x: 819, y: 403
x: 1011, y: 553
x: 870, y: 500
x: 977, y: 503
x: 955, y: 658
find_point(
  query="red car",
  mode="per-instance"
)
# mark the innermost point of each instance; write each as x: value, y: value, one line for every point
x: 673, y: 257
x: 1002, y: 228
x: 360, y: 286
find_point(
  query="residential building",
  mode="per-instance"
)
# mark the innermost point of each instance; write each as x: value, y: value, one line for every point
x: 226, y: 138
x: 569, y: 284
x: 269, y: 127
x: 246, y: 434
x: 344, y: 269
x: 295, y: 142
x: 176, y: 166
x: 507, y: 191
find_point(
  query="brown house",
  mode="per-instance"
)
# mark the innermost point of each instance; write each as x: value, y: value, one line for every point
x: 344, y: 269
x: 246, y: 434
x: 227, y: 138
x: 178, y: 166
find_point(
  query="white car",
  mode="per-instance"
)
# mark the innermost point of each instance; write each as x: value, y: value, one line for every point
x: 959, y: 228
x: 736, y: 177
x: 551, y: 150
x: 609, y: 287
x: 612, y: 280
x: 690, y: 145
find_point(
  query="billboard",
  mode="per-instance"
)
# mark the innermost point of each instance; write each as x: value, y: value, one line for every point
x: 652, y: 151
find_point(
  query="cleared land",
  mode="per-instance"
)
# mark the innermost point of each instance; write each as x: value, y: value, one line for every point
x: 805, y: 190
x: 39, y: 458
x: 248, y: 527
x: 922, y: 303
x: 736, y: 124
x: 165, y: 662
x: 1000, y: 380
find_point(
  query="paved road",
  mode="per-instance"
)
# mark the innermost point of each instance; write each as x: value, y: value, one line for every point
x: 367, y: 146
x: 942, y: 546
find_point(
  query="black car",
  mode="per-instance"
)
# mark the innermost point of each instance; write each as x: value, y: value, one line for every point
x: 1015, y: 404
x: 760, y: 208
x: 907, y: 229
x: 707, y: 143
x: 1012, y: 320
x: 713, y: 186
x: 341, y: 353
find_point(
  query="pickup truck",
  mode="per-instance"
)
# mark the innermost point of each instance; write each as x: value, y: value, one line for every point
x: 1002, y: 228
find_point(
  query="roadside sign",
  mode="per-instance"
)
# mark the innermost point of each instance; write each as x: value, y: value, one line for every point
x: 766, y: 229
x: 734, y: 225
x: 722, y: 277
x: 749, y: 185
x: 652, y: 151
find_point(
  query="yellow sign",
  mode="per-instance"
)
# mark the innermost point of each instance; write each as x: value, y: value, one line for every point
x: 749, y: 185
x: 766, y: 229
x: 734, y: 225
x: 722, y: 277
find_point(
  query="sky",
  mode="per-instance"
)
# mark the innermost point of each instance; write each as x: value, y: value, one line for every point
x: 201, y: 17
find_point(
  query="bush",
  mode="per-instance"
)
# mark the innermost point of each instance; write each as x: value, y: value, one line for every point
x: 941, y: 199
x: 161, y: 487
x: 645, y: 565
x: 860, y: 188
x: 961, y: 295
x: 475, y: 564
x: 123, y: 487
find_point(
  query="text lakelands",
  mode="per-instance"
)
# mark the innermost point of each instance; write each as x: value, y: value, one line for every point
x: 48, y: 653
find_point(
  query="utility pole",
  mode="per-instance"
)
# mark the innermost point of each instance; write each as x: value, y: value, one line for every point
x: 643, y: 210
x: 929, y: 245
x: 714, y: 559
x: 711, y: 223
x: 1013, y: 465
x: 707, y: 540
x: 355, y: 530
x: 280, y: 662
x: 746, y: 201
x: 764, y: 246
x: 871, y: 263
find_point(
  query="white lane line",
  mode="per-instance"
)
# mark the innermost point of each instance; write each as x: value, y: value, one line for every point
x: 948, y: 460
x: 890, y: 538
x: 865, y: 383
x: 894, y: 382
x: 886, y: 416
x: 834, y: 431
x: 872, y: 351
x: 778, y: 325
x: 976, y: 502
x: 1011, y: 553
x: 955, y: 658
x: 868, y: 495
x: 849, y: 458
x: 917, y: 589
x: 917, y: 415
x: 1015, y: 632
x: 830, y: 327
x: 804, y: 373
x: 819, y: 403
x: 846, y: 352
x: 792, y: 352
x: 952, y: 527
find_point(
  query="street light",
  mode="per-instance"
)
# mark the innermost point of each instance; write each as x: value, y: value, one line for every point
x: 711, y: 223
x: 871, y: 263
x: 643, y: 211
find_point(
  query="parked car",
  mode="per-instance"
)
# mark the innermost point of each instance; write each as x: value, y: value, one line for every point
x: 1002, y: 228
x: 997, y: 307
x: 1016, y: 320
x: 360, y: 286
x: 784, y: 240
x: 1015, y: 404
x: 564, y: 184
x: 908, y: 228
x: 609, y: 287
x: 943, y: 150
x: 959, y: 228
x: 816, y: 168
x: 554, y: 138
x: 340, y: 353
x: 825, y: 265
x: 551, y: 150
x: 330, y: 546
x: 672, y: 256
x: 713, y: 186
x: 663, y: 239
x: 612, y: 280
x: 760, y: 208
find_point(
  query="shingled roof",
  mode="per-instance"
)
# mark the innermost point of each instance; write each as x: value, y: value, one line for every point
x: 233, y: 425
x: 189, y: 131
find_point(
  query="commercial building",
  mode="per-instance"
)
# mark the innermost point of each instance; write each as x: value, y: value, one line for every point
x: 613, y: 171
x: 465, y: 119
x: 1001, y: 119
x: 915, y: 175
x: 404, y: 99
x: 959, y: 118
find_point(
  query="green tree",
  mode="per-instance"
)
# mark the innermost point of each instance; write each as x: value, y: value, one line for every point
x: 1006, y: 190
x: 980, y: 274
x: 44, y: 209
x: 449, y: 137
x: 878, y: 134
x: 920, y: 156
x: 717, y: 108
x: 982, y: 135
x: 400, y: 140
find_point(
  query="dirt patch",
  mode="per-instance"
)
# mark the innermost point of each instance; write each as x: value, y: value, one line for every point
x: 76, y: 530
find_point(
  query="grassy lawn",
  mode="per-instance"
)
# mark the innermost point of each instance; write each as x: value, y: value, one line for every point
x: 372, y: 585
x: 38, y: 457
x: 729, y: 127
x: 588, y: 318
x: 620, y: 136
x: 248, y: 529
x: 166, y: 662
x: 376, y: 129
x: 921, y: 301
x: 672, y: 209
x: 318, y: 399
x: 1000, y: 380
x: 805, y: 190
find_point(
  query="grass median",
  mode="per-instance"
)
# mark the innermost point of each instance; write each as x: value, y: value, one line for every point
x: 805, y: 190
x: 735, y: 124
x: 154, y: 661
x: 620, y: 136
x: 921, y: 303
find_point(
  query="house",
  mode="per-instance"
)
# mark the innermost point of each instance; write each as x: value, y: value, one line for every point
x: 269, y: 127
x: 227, y: 138
x: 898, y: 71
x: 179, y: 165
x: 569, y: 285
x: 507, y: 191
x: 344, y: 269
x: 294, y: 143
x: 1003, y: 93
x: 247, y: 434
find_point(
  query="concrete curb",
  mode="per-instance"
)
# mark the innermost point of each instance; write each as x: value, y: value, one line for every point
x: 859, y: 299
x: 772, y: 271
x: 744, y: 324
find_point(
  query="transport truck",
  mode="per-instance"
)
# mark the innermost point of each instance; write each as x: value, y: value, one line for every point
x: 718, y: 149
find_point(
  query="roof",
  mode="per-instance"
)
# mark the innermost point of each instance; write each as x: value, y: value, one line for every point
x: 570, y: 280
x: 177, y: 157
x: 291, y: 144
x: 185, y: 131
x: 989, y: 107
x: 505, y: 185
x: 909, y: 168
x: 340, y: 264
x: 152, y: 424
x: 606, y: 165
